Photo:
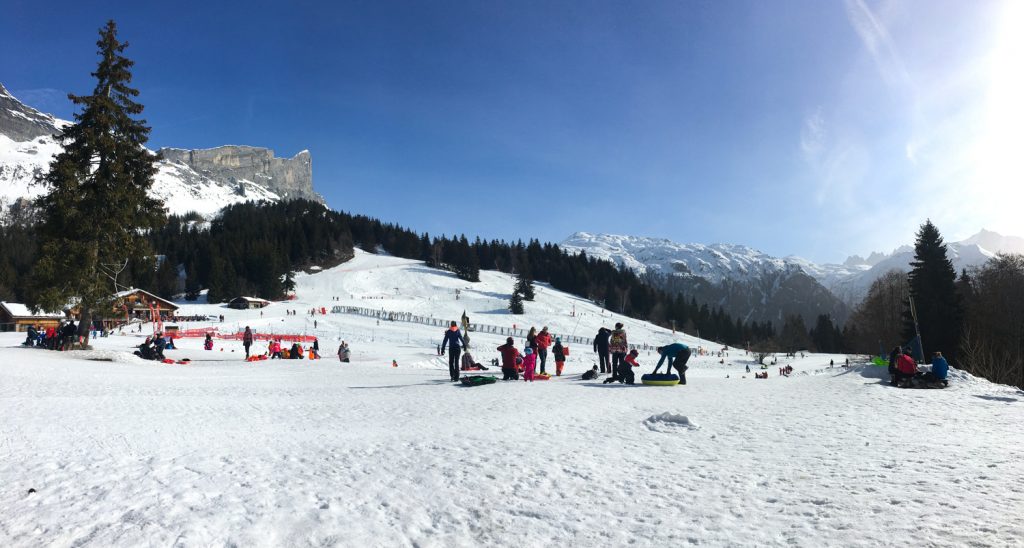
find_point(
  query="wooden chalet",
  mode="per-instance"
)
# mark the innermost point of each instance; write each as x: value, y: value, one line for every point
x: 246, y: 303
x: 139, y: 303
x: 18, y: 317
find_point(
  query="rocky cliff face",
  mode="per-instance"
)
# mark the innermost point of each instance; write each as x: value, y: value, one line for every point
x: 24, y: 123
x: 289, y: 178
x: 201, y: 181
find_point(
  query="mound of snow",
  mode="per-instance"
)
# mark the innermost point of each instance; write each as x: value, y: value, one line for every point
x: 669, y: 422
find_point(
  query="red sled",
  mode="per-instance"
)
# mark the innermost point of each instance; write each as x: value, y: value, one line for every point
x: 168, y: 360
x: 565, y: 350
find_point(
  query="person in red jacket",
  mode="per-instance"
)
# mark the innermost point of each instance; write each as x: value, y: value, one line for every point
x: 508, y: 360
x: 543, y: 342
x: 906, y: 368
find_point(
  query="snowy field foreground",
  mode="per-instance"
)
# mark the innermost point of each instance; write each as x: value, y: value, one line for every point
x: 122, y: 452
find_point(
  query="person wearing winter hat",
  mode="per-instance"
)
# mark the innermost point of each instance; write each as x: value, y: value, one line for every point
x: 543, y: 341
x: 508, y: 360
x: 529, y: 365
x: 559, y: 353
x: 454, y: 341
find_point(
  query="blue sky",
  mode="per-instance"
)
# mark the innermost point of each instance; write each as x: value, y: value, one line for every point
x: 811, y: 128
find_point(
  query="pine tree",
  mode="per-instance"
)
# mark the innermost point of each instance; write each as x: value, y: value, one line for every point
x: 515, y: 304
x: 932, y: 281
x: 524, y: 281
x: 97, y: 205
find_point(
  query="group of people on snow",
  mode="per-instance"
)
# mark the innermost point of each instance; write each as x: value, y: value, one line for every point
x: 61, y: 337
x: 904, y: 372
x: 153, y: 347
x: 611, y: 346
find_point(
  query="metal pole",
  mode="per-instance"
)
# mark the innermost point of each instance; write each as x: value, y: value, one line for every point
x: 913, y: 313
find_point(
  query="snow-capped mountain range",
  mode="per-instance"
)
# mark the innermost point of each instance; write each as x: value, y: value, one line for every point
x: 201, y: 181
x: 704, y: 267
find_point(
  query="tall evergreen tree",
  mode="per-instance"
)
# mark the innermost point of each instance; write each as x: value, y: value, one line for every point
x: 97, y: 205
x: 932, y: 282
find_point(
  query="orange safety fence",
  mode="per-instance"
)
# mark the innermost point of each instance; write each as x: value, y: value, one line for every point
x: 195, y: 333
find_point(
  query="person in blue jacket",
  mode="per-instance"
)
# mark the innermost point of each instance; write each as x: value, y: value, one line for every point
x: 453, y: 341
x: 940, y: 369
x: 677, y: 354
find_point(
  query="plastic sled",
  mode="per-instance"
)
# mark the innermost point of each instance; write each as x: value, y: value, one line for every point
x: 542, y: 377
x: 477, y: 380
x: 659, y: 379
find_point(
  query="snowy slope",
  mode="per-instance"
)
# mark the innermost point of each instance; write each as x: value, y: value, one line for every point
x: 26, y: 154
x: 223, y: 452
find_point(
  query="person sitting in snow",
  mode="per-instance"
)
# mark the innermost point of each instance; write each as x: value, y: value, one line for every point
x: 906, y: 368
x: 469, y: 364
x: 591, y: 374
x: 509, y: 354
x: 939, y: 372
x: 145, y: 350
x: 158, y: 346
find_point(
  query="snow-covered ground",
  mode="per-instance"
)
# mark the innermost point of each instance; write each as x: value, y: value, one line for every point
x: 122, y: 452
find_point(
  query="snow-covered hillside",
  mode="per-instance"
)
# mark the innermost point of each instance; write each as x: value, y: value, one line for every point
x: 103, y: 449
x: 27, y: 147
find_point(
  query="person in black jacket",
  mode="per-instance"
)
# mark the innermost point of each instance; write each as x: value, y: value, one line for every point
x: 68, y: 335
x: 453, y: 341
x: 893, y: 356
x: 601, y: 347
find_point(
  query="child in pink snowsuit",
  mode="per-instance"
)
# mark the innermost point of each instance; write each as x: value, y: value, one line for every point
x: 529, y: 364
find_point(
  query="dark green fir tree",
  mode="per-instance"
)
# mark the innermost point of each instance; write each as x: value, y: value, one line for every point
x: 524, y: 282
x: 97, y: 208
x: 932, y: 281
x: 515, y: 304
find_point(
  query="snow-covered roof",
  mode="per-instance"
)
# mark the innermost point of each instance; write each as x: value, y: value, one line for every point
x: 134, y: 290
x: 18, y: 310
x: 252, y: 299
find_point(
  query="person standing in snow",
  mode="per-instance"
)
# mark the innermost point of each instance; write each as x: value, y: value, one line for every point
x: 453, y: 341
x: 618, y: 346
x: 343, y: 352
x: 531, y: 339
x: 894, y: 357
x: 247, y: 340
x: 677, y: 354
x: 601, y: 347
x: 529, y: 365
x: 558, y: 351
x: 543, y: 340
x: 509, y: 353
